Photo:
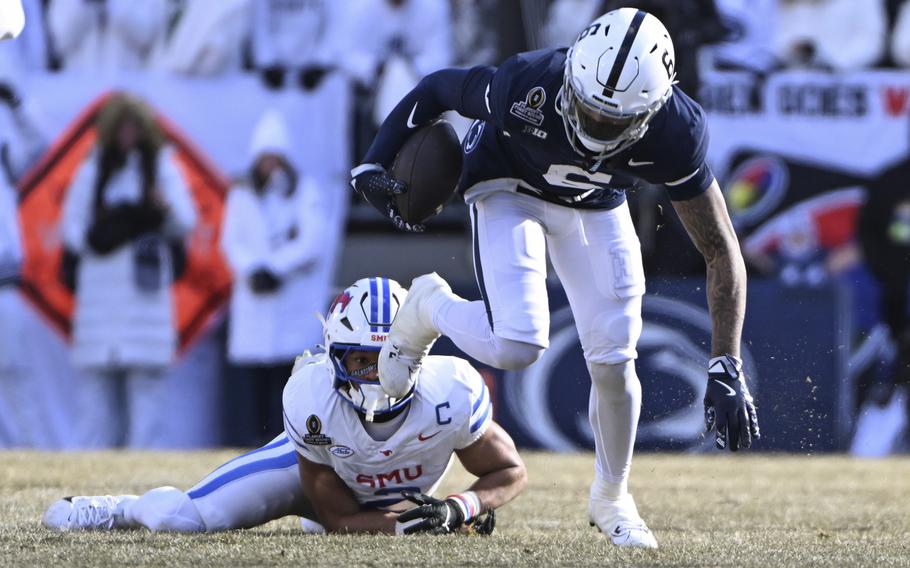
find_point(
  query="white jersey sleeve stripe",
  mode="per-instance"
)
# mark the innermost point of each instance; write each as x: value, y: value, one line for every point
x: 483, y: 419
x: 292, y: 433
x: 481, y: 400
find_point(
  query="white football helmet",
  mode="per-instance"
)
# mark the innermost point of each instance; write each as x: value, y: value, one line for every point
x: 618, y: 74
x: 359, y: 320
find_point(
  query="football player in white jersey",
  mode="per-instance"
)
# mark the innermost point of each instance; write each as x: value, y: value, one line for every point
x: 351, y: 457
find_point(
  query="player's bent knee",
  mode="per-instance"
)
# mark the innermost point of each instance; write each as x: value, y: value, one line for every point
x: 619, y: 377
x: 167, y: 509
x: 614, y: 342
x: 514, y: 355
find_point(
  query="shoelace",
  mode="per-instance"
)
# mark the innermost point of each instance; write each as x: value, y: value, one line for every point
x: 623, y: 526
x: 94, y: 515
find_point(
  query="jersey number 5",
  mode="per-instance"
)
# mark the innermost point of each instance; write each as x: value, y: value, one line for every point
x: 565, y: 175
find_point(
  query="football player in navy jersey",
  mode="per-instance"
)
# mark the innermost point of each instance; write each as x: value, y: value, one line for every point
x: 560, y: 134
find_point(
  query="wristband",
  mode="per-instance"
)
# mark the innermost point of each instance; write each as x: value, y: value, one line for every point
x: 468, y: 503
x: 727, y: 364
x: 364, y: 168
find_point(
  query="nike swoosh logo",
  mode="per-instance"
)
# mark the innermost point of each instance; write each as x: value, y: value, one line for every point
x: 411, y: 117
x: 634, y: 164
x: 730, y: 391
x: 423, y: 438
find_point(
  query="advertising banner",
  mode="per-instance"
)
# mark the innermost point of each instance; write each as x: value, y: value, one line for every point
x: 794, y: 351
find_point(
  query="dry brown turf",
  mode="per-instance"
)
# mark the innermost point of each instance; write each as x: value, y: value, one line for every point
x: 705, y: 511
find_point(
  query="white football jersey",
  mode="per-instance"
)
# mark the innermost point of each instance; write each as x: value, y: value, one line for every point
x: 450, y: 410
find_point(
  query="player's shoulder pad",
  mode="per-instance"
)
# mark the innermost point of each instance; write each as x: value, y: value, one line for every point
x: 309, y: 390
x: 520, y: 73
x: 679, y: 132
x: 452, y: 379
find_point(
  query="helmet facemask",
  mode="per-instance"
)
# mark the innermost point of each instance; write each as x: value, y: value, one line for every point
x: 361, y: 386
x: 359, y: 321
x: 599, y: 127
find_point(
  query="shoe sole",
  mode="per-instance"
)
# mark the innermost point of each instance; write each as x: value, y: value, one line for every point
x: 422, y: 288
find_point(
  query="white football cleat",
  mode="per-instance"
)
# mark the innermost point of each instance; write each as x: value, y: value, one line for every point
x: 620, y: 520
x: 411, y: 335
x: 86, y: 513
x: 310, y: 526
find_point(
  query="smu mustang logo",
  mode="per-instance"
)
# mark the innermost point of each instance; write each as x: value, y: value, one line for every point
x: 397, y: 477
x: 342, y: 300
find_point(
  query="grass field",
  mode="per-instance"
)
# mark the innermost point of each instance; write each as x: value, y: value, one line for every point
x: 705, y: 511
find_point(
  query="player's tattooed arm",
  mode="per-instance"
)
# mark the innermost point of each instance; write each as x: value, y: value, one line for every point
x: 708, y: 224
x: 501, y: 474
x: 334, y: 503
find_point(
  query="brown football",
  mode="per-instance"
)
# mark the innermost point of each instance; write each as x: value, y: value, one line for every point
x: 430, y: 164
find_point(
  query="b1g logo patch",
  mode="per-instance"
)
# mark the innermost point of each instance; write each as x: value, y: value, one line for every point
x: 315, y: 436
x: 529, y: 109
x: 341, y: 451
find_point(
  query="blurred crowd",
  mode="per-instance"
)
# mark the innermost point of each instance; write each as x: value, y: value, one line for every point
x: 128, y: 213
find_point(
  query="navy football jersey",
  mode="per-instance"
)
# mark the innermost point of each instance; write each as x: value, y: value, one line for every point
x: 518, y: 134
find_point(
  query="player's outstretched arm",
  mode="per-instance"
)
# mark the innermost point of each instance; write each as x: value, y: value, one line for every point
x: 729, y: 409
x: 708, y: 224
x: 501, y: 474
x: 335, y: 505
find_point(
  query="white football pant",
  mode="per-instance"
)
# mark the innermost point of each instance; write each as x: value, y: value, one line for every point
x: 248, y: 491
x: 597, y: 256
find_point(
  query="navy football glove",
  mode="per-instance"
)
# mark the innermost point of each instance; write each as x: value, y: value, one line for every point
x: 375, y: 185
x: 483, y: 525
x: 729, y: 409
x: 431, y: 515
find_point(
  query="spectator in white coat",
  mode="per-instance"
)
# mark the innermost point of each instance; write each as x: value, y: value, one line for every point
x: 204, y: 38
x: 749, y: 44
x: 399, y: 42
x: 113, y: 35
x: 837, y: 35
x: 30, y: 402
x: 274, y: 237
x: 11, y: 363
x: 22, y: 141
x: 297, y: 43
x: 900, y: 36
x: 29, y: 51
x: 125, y: 217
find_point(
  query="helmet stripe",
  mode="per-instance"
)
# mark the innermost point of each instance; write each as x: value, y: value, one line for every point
x: 386, y: 303
x: 623, y: 53
x: 374, y: 307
